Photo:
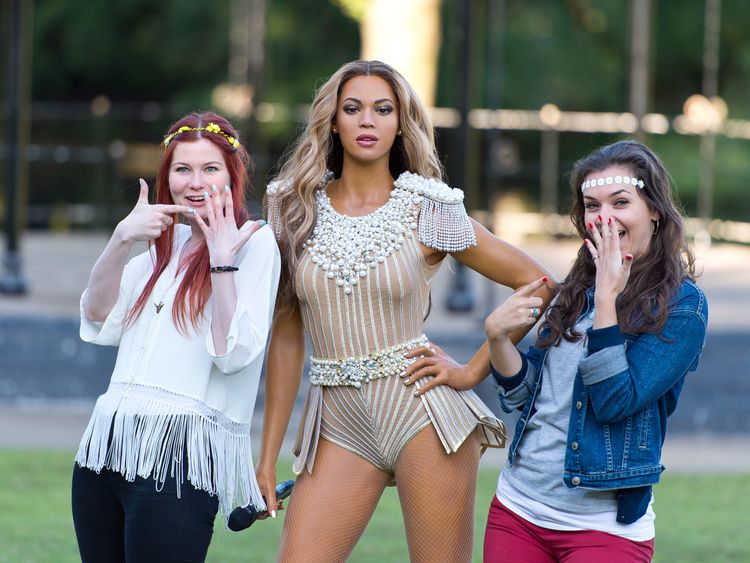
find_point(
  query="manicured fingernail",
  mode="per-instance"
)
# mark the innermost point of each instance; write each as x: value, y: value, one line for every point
x: 628, y: 257
x: 416, y: 393
x: 406, y: 382
x: 205, y: 195
x: 591, y: 225
x: 609, y: 220
x: 190, y: 211
x: 261, y: 223
x: 226, y: 188
x: 545, y: 279
x: 600, y: 217
x: 273, y: 514
x: 213, y: 187
x: 402, y: 374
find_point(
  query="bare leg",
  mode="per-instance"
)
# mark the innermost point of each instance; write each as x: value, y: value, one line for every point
x: 330, y: 507
x: 437, y: 493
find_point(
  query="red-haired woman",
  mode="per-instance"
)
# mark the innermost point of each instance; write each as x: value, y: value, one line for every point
x: 168, y: 443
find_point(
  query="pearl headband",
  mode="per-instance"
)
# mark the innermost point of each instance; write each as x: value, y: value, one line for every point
x: 612, y: 180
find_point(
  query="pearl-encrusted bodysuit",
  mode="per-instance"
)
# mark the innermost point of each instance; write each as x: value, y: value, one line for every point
x: 363, y: 286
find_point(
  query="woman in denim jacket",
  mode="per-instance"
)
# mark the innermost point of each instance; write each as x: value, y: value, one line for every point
x: 607, y: 370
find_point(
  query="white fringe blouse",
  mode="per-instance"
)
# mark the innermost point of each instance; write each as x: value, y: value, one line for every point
x: 171, y: 397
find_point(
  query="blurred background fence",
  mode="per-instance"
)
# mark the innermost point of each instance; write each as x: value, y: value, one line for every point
x: 520, y: 89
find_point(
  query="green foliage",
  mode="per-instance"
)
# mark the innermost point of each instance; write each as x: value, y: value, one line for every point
x: 177, y: 50
x: 575, y: 54
x: 307, y: 40
x: 129, y: 50
x: 699, y: 518
x: 355, y: 9
x: 567, y: 53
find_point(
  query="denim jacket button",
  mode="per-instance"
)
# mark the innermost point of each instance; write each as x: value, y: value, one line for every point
x: 579, y: 405
x: 574, y: 446
x: 576, y: 481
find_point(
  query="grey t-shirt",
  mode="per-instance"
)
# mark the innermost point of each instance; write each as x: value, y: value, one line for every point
x: 537, y: 469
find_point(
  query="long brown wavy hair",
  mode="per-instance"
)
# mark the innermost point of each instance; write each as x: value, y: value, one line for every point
x: 655, y: 277
x: 195, y: 288
x: 318, y: 150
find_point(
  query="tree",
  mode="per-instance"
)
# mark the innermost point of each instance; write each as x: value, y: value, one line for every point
x: 403, y: 33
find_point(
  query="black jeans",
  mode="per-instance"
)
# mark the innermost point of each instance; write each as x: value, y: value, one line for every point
x: 121, y: 521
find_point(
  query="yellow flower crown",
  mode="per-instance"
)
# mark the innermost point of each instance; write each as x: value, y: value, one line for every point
x: 211, y: 128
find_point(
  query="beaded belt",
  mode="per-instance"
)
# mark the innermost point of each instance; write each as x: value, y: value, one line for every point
x: 359, y: 370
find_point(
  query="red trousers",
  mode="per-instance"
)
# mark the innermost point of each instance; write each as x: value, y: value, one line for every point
x: 510, y: 538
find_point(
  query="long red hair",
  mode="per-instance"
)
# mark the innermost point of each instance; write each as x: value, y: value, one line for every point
x: 195, y: 289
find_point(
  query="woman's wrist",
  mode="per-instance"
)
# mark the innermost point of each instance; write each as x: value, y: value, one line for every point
x: 221, y: 260
x: 605, y: 313
x: 605, y: 293
x: 493, y: 333
x: 121, y: 235
x: 496, y: 337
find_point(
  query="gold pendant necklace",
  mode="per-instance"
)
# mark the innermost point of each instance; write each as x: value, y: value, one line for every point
x: 160, y: 305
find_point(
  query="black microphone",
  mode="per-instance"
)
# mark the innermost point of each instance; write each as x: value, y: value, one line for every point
x: 243, y: 516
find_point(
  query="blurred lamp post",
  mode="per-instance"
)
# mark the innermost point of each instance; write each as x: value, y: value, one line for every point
x: 703, y: 116
x: 719, y: 113
x: 13, y: 281
x: 461, y: 296
x: 550, y: 117
x: 237, y: 97
x: 640, y: 40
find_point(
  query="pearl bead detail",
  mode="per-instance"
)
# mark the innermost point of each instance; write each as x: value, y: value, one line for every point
x: 359, y: 370
x: 612, y: 180
x: 346, y: 248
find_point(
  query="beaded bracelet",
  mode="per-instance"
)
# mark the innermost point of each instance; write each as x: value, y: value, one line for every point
x: 219, y: 269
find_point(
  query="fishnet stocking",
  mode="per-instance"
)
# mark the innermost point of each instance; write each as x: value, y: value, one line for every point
x: 330, y: 507
x: 437, y: 493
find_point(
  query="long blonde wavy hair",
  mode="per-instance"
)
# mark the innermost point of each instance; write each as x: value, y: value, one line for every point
x: 317, y: 150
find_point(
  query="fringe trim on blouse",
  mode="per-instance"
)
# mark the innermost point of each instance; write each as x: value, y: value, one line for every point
x: 454, y: 415
x: 153, y: 431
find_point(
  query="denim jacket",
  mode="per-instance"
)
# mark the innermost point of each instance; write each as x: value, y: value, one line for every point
x: 624, y: 390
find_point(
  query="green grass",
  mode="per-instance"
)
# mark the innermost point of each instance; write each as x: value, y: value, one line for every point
x: 700, y: 518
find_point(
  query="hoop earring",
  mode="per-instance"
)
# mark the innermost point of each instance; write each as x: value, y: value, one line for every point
x: 656, y: 227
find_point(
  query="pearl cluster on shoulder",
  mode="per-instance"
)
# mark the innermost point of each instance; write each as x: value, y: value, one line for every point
x: 430, y: 187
